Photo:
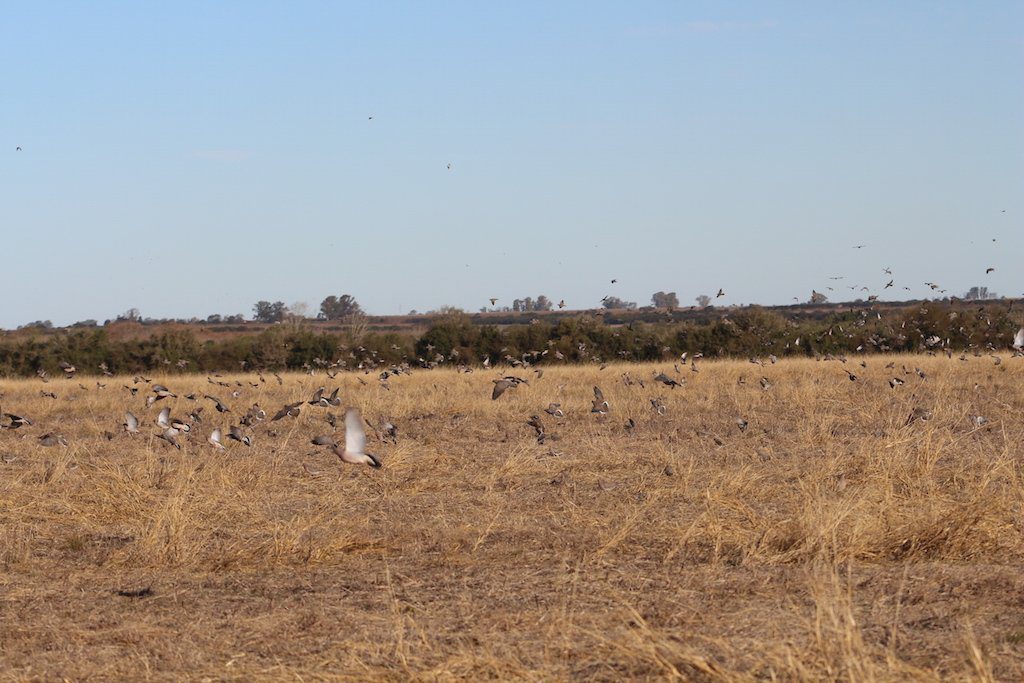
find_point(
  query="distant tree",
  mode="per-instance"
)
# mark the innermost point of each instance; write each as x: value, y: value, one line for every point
x: 131, y: 315
x: 665, y: 300
x: 235, y: 319
x: 615, y: 302
x: 703, y: 300
x: 338, y: 308
x: 44, y: 324
x: 542, y: 303
x: 818, y: 298
x: 86, y: 323
x: 266, y: 312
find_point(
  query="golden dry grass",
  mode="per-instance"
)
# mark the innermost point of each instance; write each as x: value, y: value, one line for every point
x: 830, y: 540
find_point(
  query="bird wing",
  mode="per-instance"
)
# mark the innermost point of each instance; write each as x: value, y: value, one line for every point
x: 499, y: 388
x: 1018, y: 340
x: 355, y: 435
x: 598, y: 395
x: 131, y: 421
x: 163, y: 418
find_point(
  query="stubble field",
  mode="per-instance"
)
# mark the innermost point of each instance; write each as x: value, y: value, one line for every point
x: 851, y: 531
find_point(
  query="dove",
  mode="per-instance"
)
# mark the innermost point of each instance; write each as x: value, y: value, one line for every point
x: 215, y: 439
x: 354, y: 449
x: 236, y: 434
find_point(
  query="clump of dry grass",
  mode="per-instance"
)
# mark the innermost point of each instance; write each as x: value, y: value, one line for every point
x: 833, y: 537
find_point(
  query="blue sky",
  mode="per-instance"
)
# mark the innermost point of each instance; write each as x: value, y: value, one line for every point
x: 192, y: 158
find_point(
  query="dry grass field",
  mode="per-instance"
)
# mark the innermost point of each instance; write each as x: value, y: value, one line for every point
x: 851, y: 531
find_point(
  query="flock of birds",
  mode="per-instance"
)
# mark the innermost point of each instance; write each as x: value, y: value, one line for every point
x: 174, y: 428
x: 353, y: 450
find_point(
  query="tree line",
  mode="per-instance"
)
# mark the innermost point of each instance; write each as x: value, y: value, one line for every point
x: 453, y: 339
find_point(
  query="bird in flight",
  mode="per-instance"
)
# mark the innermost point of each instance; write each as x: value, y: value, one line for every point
x: 17, y: 149
x: 500, y: 385
x: 721, y: 292
x: 494, y: 300
x: 988, y: 270
x: 449, y: 167
x: 859, y: 246
x: 354, y: 451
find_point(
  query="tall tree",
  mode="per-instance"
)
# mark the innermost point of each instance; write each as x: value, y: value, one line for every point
x: 665, y: 300
x: 266, y: 312
x: 615, y: 302
x: 339, y: 307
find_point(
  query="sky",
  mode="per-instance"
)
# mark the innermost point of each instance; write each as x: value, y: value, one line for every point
x: 192, y: 158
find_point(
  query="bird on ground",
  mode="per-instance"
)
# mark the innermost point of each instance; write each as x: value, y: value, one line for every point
x: 16, y: 421
x: 659, y: 406
x: 555, y: 410
x: 238, y: 435
x: 666, y: 380
x: 50, y: 439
